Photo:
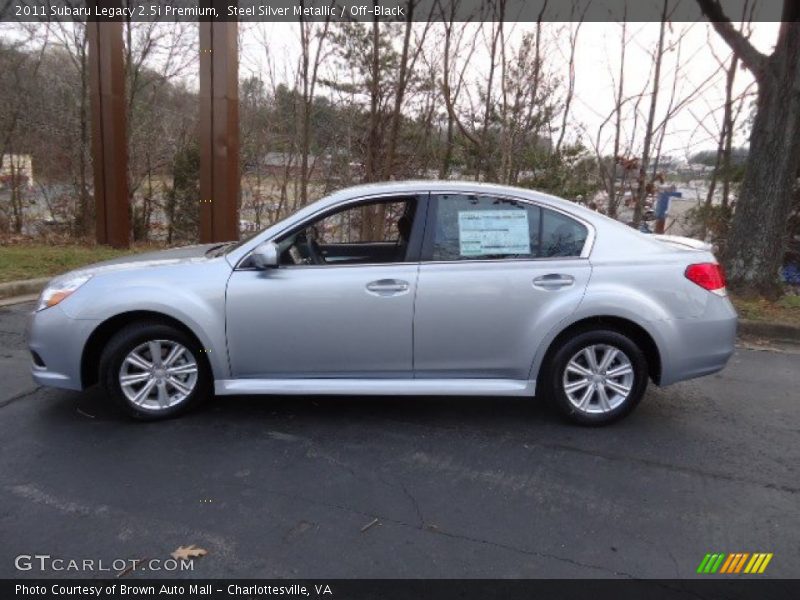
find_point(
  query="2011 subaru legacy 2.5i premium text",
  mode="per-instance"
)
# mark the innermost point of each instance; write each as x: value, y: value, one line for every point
x: 398, y: 288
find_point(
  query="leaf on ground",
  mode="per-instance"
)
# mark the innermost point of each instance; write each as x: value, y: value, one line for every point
x: 192, y: 551
x: 368, y: 525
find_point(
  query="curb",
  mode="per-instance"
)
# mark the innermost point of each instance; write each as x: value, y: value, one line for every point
x: 25, y: 287
x: 766, y: 329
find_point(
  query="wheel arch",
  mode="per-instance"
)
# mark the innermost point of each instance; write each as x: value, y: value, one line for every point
x: 640, y: 336
x: 102, y: 334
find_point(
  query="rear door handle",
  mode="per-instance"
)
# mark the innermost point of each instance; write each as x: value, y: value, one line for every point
x: 387, y: 287
x: 553, y: 281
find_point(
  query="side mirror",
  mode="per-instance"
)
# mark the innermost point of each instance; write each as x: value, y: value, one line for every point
x: 265, y: 256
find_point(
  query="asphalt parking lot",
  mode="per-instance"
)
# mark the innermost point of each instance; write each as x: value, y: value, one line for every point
x: 460, y: 487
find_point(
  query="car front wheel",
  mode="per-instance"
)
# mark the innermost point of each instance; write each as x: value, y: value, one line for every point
x: 154, y: 371
x: 597, y: 377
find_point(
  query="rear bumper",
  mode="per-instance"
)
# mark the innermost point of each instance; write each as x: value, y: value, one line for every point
x: 698, y: 347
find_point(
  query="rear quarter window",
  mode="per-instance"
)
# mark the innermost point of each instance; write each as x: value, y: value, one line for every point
x: 562, y: 236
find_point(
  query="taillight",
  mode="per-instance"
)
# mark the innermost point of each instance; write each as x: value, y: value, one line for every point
x: 709, y: 276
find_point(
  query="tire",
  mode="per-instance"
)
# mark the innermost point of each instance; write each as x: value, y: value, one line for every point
x: 173, y: 388
x: 600, y: 400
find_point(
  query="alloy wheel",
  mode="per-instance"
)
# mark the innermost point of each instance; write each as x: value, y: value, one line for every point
x: 158, y: 374
x: 598, y: 379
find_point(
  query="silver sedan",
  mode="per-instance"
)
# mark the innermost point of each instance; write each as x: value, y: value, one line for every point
x: 402, y: 288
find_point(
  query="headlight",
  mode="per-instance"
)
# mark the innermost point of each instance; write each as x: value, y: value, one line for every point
x: 59, y: 289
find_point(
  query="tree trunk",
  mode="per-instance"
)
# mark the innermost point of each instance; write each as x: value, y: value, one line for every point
x: 613, y: 199
x: 755, y: 246
x: 481, y: 161
x: 16, y: 200
x: 444, y: 170
x: 641, y: 192
x: 371, y: 168
x: 727, y: 120
x: 85, y: 209
x: 371, y: 215
x: 397, y: 113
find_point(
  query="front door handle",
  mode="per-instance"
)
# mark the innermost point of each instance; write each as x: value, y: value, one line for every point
x: 387, y: 287
x: 553, y: 281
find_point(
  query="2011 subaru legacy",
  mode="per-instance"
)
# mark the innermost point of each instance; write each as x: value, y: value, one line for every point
x: 400, y: 288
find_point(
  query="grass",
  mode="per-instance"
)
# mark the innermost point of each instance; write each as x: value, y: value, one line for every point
x: 28, y: 260
x: 784, y: 310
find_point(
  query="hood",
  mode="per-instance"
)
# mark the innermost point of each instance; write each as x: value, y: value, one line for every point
x: 172, y: 256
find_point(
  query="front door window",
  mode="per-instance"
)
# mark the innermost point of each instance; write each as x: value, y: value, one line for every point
x: 374, y: 232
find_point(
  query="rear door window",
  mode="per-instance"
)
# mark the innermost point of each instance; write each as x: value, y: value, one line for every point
x: 482, y: 227
x: 470, y: 227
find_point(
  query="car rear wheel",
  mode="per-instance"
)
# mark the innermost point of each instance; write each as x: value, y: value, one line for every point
x: 154, y: 371
x: 596, y: 377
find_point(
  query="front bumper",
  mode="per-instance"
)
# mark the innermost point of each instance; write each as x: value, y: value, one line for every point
x: 59, y: 342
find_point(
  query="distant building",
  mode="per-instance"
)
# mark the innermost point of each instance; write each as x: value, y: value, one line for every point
x: 321, y: 166
x: 16, y: 167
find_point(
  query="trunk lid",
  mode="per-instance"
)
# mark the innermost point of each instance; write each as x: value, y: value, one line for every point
x: 683, y: 243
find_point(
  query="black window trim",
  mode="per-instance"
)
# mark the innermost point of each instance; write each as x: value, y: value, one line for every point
x: 426, y: 256
x: 416, y: 239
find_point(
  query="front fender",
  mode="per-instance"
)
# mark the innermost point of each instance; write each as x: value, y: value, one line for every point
x: 192, y: 295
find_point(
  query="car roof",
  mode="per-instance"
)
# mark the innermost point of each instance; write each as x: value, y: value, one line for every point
x: 439, y: 186
x: 428, y: 185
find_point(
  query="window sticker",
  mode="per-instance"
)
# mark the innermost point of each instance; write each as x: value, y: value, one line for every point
x: 482, y: 232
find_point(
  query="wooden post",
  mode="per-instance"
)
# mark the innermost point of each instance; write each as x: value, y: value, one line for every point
x: 219, y: 132
x: 109, y: 132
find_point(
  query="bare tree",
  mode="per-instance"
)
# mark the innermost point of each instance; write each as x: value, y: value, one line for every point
x: 526, y: 106
x: 732, y: 107
x: 19, y: 68
x: 408, y: 61
x: 373, y: 133
x: 613, y: 200
x: 729, y: 118
x: 641, y: 190
x: 310, y: 60
x: 453, y: 78
x: 496, y: 37
x: 477, y: 137
x: 156, y: 56
x: 73, y: 42
x: 573, y: 44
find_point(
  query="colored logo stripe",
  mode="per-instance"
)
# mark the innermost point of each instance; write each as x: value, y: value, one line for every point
x: 727, y: 564
x: 735, y: 562
x: 758, y: 563
x: 710, y: 563
x: 740, y: 564
x: 755, y: 560
x: 703, y: 563
x: 716, y: 564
